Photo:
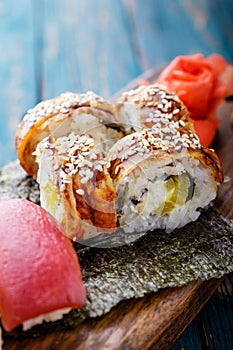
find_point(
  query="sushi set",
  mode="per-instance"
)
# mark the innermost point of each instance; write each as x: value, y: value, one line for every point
x: 125, y: 191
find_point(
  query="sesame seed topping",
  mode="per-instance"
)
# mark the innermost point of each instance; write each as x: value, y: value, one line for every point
x: 168, y: 135
x: 155, y: 104
x: 80, y: 191
x: 84, y: 180
x: 182, y: 123
x: 62, y: 104
x: 76, y: 155
x: 99, y: 167
x: 176, y: 111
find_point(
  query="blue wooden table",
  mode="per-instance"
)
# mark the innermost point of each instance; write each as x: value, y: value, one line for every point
x: 47, y: 47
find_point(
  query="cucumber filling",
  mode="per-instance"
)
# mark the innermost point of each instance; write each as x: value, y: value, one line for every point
x: 179, y: 190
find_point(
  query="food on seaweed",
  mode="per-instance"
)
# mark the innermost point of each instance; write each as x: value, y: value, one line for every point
x: 202, y: 85
x: 40, y: 277
x: 201, y: 250
x: 158, y: 259
x: 81, y: 113
x: 73, y: 173
x: 162, y: 177
x: 75, y: 186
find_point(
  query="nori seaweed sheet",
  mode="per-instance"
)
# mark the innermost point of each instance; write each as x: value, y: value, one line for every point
x: 200, y: 250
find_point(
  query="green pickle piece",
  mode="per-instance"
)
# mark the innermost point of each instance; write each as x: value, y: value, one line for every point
x: 179, y: 189
x: 51, y: 198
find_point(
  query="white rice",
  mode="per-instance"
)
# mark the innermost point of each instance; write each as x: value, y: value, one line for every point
x: 82, y: 124
x: 145, y: 184
x: 51, y: 316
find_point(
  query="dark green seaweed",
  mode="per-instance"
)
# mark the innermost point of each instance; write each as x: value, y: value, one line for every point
x: 14, y: 183
x: 199, y: 251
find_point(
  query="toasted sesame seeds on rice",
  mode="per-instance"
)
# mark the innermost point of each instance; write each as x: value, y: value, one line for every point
x: 151, y: 105
x: 141, y: 176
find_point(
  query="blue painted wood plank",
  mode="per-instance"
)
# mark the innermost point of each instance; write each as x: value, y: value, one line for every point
x: 82, y: 45
x: 212, y: 328
x: 165, y: 29
x: 17, y: 71
x: 217, y: 318
x: 87, y: 46
x: 191, y: 338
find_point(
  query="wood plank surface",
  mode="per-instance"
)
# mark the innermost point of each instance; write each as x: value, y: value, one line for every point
x: 51, y: 46
x: 152, y: 322
x: 17, y: 79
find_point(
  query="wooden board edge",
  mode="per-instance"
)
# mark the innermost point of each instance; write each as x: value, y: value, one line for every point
x: 175, y: 307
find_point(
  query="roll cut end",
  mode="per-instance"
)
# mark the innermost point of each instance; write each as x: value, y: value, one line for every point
x: 75, y: 186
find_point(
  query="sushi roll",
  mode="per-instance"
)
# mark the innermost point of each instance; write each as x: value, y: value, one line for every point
x: 84, y: 113
x: 75, y: 186
x: 162, y: 177
x: 40, y: 275
x: 146, y: 106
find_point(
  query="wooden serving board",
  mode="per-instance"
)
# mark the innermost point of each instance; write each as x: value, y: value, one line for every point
x: 158, y: 319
